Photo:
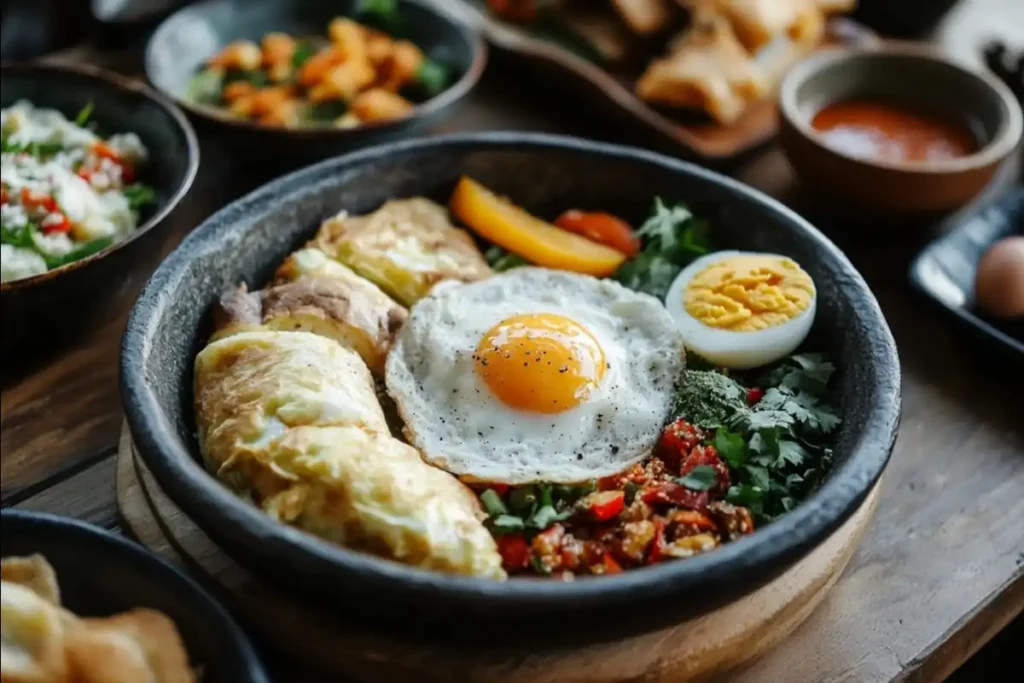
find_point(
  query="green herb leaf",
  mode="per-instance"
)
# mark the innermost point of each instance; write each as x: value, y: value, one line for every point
x: 303, y: 51
x: 139, y: 195
x: 506, y: 524
x: 746, y: 495
x: 78, y: 253
x: 731, y: 447
x: 759, y: 476
x: 493, y: 504
x: 17, y: 235
x: 790, y: 453
x: 631, y: 490
x: 546, y: 498
x: 501, y: 260
x: 379, y: 14
x: 700, y: 478
x: 83, y: 116
x: 546, y: 516
x: 710, y: 400
x: 433, y: 77
x: 537, y: 565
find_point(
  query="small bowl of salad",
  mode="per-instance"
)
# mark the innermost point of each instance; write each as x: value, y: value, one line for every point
x: 91, y: 166
x: 307, y: 79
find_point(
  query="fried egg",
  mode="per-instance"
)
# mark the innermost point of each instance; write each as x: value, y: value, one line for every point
x: 741, y: 309
x: 535, y: 375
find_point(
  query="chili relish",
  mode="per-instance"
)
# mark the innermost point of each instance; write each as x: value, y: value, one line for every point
x: 669, y: 506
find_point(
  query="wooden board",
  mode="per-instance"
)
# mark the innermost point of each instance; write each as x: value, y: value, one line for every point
x: 694, y: 650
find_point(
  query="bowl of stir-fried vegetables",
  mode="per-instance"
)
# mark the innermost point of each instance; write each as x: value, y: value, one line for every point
x: 92, y: 167
x: 307, y: 79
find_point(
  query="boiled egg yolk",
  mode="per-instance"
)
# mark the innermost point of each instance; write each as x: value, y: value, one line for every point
x: 749, y: 293
x: 543, y: 363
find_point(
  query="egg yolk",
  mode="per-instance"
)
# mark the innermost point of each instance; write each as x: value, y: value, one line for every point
x: 543, y: 363
x: 749, y: 293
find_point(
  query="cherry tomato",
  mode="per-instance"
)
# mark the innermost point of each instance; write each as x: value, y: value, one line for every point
x: 754, y: 395
x: 603, y: 228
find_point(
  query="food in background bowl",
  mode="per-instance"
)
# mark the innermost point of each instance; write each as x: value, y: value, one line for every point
x: 357, y: 74
x: 555, y: 425
x: 43, y: 641
x: 65, y: 192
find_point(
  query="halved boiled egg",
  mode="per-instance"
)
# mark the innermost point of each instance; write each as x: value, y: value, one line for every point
x: 743, y: 309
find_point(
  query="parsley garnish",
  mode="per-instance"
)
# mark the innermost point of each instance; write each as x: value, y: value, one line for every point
x: 672, y: 237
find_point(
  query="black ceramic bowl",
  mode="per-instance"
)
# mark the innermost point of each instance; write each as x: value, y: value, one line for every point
x: 101, y: 574
x: 184, y: 41
x: 62, y: 300
x: 246, y: 240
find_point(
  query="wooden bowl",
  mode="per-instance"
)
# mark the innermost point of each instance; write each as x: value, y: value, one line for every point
x: 184, y: 42
x: 246, y: 240
x: 53, y: 306
x: 901, y: 73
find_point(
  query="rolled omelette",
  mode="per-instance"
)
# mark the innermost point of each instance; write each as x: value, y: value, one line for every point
x: 291, y: 421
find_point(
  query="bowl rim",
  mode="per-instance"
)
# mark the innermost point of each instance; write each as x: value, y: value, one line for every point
x: 115, y: 81
x: 209, y: 504
x: 152, y: 564
x: 1002, y: 143
x: 424, y: 110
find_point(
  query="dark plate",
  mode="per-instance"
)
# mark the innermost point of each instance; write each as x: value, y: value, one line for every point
x: 101, y: 574
x: 185, y: 40
x: 62, y: 300
x: 609, y: 90
x: 944, y: 272
x: 247, y: 239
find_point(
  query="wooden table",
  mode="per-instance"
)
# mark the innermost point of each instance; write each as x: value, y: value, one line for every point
x: 940, y: 572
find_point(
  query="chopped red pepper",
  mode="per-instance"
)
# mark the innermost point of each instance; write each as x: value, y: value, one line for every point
x: 608, y: 565
x: 754, y: 395
x: 604, y: 505
x: 658, y: 544
x: 38, y: 200
x: 690, y: 522
x: 105, y: 151
x: 674, y: 494
x: 676, y: 441
x: 500, y: 489
x: 3, y: 194
x: 514, y: 551
x: 49, y: 227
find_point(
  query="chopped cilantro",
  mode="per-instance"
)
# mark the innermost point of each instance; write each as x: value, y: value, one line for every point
x: 732, y: 447
x: 303, y: 51
x: 17, y: 235
x: 700, y: 478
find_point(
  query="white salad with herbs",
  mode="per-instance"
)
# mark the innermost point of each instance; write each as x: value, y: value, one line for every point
x: 65, y: 191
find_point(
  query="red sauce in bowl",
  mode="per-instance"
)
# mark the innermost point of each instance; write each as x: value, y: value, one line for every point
x: 884, y: 132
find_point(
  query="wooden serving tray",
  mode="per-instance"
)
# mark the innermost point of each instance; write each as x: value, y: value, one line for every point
x: 688, y: 134
x: 694, y: 650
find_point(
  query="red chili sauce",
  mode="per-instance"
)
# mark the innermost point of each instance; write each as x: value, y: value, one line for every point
x: 884, y: 132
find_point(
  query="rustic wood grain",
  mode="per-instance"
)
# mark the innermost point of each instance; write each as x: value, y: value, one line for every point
x: 701, y: 649
x: 85, y: 495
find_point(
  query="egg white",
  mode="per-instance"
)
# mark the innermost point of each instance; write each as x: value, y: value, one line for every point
x: 728, y: 348
x: 458, y: 425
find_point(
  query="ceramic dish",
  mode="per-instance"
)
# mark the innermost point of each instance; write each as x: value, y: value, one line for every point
x: 184, y: 42
x: 245, y: 241
x: 610, y: 92
x: 944, y: 272
x: 101, y: 574
x: 918, y: 78
x: 63, y: 298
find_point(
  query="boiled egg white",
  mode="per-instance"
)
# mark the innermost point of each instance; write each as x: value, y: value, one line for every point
x: 741, y: 309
